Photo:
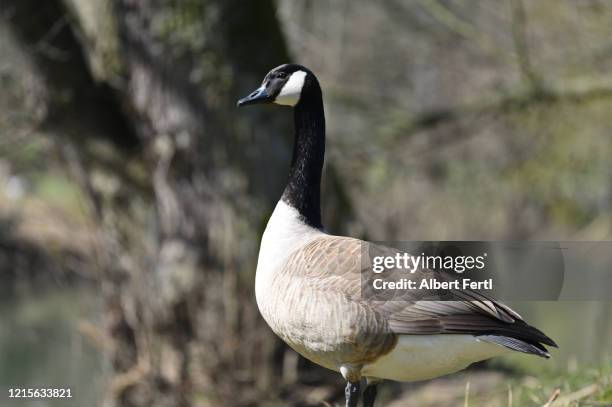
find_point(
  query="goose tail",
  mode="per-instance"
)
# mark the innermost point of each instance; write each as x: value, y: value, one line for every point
x: 519, y: 345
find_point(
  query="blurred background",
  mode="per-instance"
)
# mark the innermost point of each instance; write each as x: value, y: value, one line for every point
x: 133, y: 193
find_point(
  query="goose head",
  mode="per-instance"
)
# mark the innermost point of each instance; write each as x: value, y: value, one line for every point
x: 284, y: 85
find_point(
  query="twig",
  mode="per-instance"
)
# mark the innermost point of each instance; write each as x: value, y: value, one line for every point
x: 510, y: 401
x: 96, y: 336
x: 552, y: 398
x: 122, y: 381
x: 43, y: 45
x: 577, y: 395
x: 575, y: 92
x: 521, y: 45
x: 452, y: 22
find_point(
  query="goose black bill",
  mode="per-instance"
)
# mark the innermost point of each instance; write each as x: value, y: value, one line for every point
x: 259, y: 95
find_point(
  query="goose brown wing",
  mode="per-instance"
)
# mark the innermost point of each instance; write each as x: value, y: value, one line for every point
x: 334, y: 264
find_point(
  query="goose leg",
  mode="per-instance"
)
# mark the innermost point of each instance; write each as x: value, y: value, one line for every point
x: 351, y: 393
x: 369, y: 394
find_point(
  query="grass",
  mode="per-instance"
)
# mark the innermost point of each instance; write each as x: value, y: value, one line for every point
x: 590, y: 386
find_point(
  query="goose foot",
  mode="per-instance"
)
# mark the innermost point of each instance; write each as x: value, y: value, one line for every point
x: 369, y: 395
x: 351, y: 393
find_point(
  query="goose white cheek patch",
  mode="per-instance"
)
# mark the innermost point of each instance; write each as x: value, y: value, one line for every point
x: 290, y: 93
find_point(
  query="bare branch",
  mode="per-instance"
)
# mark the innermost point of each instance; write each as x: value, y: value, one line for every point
x: 577, y: 92
x: 521, y: 44
x: 458, y: 26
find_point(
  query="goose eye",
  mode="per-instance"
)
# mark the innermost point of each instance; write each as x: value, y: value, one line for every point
x: 281, y: 75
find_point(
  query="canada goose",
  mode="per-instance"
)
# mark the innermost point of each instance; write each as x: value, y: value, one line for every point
x: 308, y: 282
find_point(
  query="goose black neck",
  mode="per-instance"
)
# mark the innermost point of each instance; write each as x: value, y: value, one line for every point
x: 303, y: 191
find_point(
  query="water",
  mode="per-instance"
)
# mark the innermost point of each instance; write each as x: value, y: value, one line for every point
x: 41, y: 346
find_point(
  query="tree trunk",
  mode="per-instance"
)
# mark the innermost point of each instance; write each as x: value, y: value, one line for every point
x: 177, y: 184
